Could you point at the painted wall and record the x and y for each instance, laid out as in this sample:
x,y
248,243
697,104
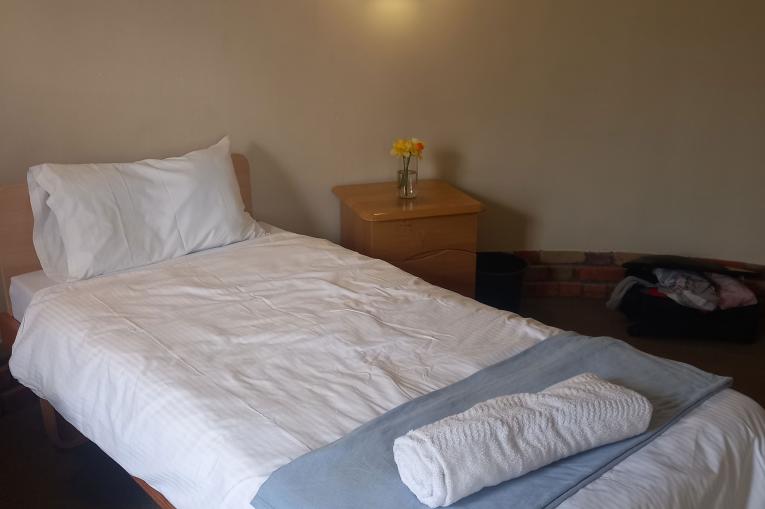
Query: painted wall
x,y
586,125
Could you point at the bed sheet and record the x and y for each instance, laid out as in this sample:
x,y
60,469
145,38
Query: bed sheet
x,y
204,374
22,289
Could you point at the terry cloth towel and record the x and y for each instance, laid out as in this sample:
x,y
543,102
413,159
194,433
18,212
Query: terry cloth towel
x,y
358,470
508,436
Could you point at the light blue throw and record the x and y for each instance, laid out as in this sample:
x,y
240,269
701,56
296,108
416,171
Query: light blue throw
x,y
358,470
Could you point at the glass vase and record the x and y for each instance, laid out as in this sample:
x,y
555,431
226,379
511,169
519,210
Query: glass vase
x,y
407,179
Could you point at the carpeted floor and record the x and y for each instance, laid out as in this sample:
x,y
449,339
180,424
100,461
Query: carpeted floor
x,y
744,362
35,475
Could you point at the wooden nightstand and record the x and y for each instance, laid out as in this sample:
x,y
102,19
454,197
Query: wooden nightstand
x,y
432,236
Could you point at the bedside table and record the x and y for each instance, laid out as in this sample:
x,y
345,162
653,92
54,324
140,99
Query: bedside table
x,y
432,236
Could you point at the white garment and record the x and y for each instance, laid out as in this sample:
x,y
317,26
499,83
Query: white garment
x,y
687,288
506,437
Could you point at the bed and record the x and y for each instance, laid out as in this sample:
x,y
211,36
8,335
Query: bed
x,y
203,374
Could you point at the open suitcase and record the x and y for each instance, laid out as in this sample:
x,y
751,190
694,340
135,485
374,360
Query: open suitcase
x,y
656,315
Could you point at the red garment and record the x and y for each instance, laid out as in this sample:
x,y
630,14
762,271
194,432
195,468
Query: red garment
x,y
655,292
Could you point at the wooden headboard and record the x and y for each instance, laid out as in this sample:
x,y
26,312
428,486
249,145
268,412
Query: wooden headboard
x,y
17,253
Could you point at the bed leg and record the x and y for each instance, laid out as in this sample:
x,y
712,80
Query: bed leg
x,y
61,433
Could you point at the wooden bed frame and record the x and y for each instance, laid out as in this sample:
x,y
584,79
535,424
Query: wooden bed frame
x,y
18,256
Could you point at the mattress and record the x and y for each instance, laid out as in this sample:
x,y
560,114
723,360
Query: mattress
x,y
204,374
23,287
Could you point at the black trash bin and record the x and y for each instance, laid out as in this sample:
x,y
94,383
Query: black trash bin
x,y
499,279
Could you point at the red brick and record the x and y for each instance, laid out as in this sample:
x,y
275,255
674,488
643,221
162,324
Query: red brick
x,y
541,289
537,273
595,290
562,257
599,258
561,272
607,274
531,257
570,289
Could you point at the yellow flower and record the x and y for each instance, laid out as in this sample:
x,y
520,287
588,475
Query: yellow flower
x,y
407,148
401,148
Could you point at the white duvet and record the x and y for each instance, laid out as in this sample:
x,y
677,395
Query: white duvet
x,y
204,374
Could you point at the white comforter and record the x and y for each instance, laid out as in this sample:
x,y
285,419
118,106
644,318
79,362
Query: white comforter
x,y
204,374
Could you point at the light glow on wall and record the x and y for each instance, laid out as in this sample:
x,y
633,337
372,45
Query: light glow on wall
x,y
395,15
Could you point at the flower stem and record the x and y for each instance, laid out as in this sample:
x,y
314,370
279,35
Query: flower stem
x,y
405,175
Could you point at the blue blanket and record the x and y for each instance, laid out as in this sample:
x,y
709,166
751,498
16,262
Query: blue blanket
x,y
358,470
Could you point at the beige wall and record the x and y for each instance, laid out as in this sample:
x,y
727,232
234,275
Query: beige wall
x,y
599,125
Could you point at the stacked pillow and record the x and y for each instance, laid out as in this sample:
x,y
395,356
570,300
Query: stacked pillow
x,y
93,219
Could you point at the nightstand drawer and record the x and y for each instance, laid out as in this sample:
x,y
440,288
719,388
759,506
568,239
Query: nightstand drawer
x,y
397,241
433,236
450,269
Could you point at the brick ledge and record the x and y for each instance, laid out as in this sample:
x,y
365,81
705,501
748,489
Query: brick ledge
x,y
593,275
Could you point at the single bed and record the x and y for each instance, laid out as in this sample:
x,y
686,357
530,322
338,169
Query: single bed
x,y
203,374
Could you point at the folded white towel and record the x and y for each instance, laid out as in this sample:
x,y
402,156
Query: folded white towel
x,y
508,436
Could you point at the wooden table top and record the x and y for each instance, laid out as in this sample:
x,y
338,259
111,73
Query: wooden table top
x,y
380,201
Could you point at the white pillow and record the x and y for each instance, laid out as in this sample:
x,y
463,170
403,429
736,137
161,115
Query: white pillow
x,y
93,219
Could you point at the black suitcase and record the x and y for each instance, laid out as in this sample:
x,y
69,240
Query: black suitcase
x,y
652,315
661,316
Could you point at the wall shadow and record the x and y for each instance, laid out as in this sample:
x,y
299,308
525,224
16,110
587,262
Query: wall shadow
x,y
275,198
446,165
500,227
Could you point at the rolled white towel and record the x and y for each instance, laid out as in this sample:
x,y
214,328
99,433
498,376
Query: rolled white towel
x,y
508,436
